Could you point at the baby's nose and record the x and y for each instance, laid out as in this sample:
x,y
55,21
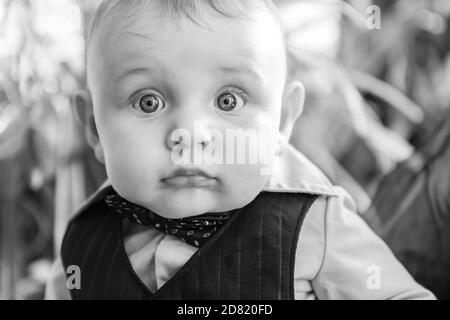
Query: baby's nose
x,y
191,135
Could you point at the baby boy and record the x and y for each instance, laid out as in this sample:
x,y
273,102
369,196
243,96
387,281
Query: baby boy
x,y
205,198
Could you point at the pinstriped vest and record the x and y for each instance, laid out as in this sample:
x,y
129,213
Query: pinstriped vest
x,y
251,257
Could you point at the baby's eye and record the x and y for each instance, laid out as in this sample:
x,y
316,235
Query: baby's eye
x,y
149,103
230,101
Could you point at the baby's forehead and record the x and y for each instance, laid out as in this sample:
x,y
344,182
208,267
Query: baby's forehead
x,y
134,31
114,15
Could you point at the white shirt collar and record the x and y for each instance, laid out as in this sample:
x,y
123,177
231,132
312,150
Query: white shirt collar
x,y
296,174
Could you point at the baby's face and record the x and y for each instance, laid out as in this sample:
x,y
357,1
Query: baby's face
x,y
158,78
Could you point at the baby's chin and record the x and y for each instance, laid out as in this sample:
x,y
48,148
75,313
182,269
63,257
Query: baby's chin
x,y
188,202
183,202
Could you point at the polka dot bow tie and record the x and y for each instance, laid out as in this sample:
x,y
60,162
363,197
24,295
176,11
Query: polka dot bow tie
x,y
193,230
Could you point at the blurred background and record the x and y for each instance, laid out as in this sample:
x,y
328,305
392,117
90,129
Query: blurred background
x,y
376,121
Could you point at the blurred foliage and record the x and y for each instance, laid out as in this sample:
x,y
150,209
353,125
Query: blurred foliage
x,y
45,164
374,97
417,227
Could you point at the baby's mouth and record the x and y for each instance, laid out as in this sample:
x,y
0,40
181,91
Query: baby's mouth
x,y
191,177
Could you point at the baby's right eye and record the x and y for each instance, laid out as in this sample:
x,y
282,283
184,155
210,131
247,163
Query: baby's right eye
x,y
148,103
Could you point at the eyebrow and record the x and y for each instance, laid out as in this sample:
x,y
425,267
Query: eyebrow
x,y
131,72
243,69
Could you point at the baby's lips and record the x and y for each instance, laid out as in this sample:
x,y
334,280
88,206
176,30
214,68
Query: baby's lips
x,y
198,181
190,177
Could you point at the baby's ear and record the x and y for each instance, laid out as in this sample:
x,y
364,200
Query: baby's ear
x,y
293,101
82,106
84,112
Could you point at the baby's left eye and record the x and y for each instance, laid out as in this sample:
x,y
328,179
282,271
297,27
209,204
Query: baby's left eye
x,y
229,101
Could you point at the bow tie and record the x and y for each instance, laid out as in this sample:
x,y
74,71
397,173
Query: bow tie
x,y
192,230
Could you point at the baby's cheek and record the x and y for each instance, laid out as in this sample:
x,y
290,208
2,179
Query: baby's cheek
x,y
247,180
265,146
243,184
132,168
123,166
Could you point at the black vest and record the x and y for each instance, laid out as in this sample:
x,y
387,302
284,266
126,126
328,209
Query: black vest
x,y
251,257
